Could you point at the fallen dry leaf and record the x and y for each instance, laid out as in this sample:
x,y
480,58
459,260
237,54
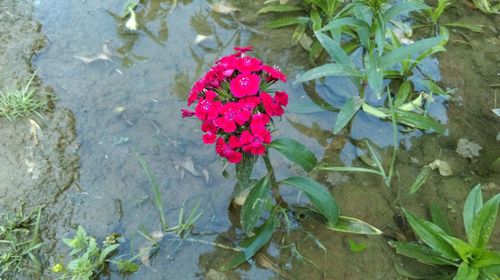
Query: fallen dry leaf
x,y
223,8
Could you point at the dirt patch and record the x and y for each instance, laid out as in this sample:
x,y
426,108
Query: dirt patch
x,y
38,155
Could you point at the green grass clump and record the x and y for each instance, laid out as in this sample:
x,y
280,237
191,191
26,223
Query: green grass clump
x,y
19,244
17,103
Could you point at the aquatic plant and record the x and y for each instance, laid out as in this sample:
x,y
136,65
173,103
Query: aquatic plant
x,y
487,7
362,26
235,104
20,102
467,260
89,259
311,16
431,18
19,245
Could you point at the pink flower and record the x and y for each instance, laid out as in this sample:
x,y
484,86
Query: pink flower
x,y
243,49
274,72
195,90
231,115
187,113
249,103
281,98
248,64
272,107
207,109
226,152
244,85
227,64
260,120
254,142
210,132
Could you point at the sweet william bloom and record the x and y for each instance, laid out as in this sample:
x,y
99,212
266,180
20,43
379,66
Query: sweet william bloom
x,y
240,50
187,113
245,85
248,64
281,98
254,142
207,109
272,107
210,132
231,114
195,90
226,152
274,73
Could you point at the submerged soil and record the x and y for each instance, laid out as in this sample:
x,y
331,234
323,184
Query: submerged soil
x,y
38,155
101,185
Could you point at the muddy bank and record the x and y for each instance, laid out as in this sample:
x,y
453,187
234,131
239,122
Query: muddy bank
x,y
38,155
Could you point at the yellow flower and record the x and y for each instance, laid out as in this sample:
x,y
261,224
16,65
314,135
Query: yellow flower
x,y
58,267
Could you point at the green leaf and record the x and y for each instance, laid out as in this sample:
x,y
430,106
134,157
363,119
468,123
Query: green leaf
x,y
419,121
316,20
331,69
357,247
420,180
352,22
353,225
244,171
488,258
431,235
286,21
403,8
347,112
295,152
466,272
349,169
254,205
473,203
404,90
374,72
463,249
319,196
106,251
404,52
379,33
279,8
335,50
315,51
298,33
472,27
421,253
439,219
253,244
126,266
483,223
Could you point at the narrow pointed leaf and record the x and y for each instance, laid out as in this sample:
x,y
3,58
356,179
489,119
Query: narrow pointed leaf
x,y
439,219
466,272
326,70
352,22
319,196
421,253
404,52
334,50
431,235
419,121
295,152
286,21
483,223
403,7
254,205
353,225
347,112
403,92
473,203
488,258
253,244
279,8
374,73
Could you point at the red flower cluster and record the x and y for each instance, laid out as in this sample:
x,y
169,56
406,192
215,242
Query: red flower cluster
x,y
235,106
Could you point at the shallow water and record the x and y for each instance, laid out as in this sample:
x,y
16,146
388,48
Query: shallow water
x,y
132,104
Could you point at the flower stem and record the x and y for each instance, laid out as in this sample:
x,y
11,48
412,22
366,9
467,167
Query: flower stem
x,y
274,184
